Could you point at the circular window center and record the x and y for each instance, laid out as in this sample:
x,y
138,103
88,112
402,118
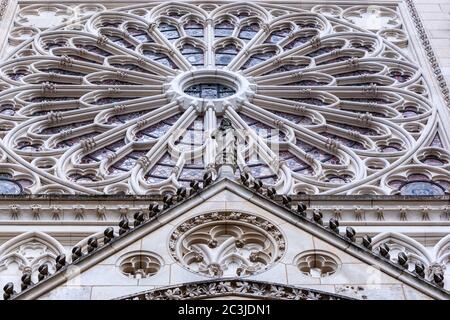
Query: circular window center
x,y
205,88
210,91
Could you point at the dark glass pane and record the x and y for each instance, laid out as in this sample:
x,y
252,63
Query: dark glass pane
x,y
209,91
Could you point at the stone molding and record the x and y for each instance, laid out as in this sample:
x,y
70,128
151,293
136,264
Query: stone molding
x,y
382,210
426,43
233,287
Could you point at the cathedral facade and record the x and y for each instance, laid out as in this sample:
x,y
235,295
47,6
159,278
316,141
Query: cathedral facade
x,y
222,150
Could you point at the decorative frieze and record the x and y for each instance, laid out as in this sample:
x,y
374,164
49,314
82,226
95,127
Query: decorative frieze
x,y
234,287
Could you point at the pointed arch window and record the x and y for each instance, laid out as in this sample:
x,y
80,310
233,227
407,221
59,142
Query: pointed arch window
x,y
194,55
169,31
223,29
194,29
226,54
248,32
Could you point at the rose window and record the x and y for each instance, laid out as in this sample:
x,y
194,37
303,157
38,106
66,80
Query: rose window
x,y
227,244
125,101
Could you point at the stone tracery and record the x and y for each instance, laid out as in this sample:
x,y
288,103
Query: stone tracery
x,y
227,244
139,265
26,252
95,109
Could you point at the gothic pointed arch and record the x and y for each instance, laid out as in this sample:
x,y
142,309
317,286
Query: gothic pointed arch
x,y
28,251
441,250
399,242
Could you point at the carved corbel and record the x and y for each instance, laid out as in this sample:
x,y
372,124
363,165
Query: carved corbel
x,y
446,213
56,212
359,213
425,213
380,213
435,268
101,212
337,213
36,211
79,212
14,210
403,213
123,211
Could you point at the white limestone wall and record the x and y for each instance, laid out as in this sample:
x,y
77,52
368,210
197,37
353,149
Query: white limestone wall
x,y
354,277
435,15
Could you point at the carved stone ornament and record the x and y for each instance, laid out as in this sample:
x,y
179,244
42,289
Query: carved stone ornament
x,y
233,287
226,139
227,244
